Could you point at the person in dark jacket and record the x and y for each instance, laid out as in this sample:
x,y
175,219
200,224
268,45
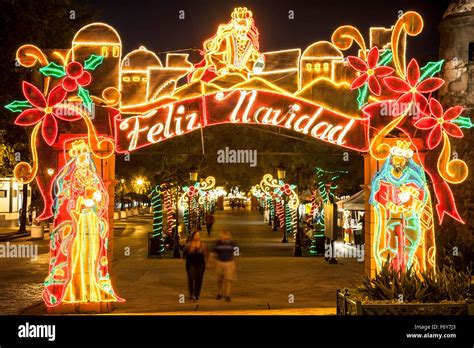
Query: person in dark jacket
x,y
209,219
224,250
196,255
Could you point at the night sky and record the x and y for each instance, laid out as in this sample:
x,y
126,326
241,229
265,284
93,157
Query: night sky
x,y
155,24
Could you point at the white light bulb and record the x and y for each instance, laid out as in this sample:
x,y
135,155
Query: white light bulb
x,y
89,203
97,196
404,197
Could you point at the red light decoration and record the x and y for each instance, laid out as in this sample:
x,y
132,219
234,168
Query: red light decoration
x,y
280,212
169,207
45,111
76,76
78,268
233,85
440,123
370,72
411,89
446,204
258,107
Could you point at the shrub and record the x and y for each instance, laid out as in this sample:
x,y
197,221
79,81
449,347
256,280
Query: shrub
x,y
448,284
455,248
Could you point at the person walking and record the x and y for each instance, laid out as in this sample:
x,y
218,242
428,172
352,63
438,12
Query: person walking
x,y
196,256
224,250
30,214
209,219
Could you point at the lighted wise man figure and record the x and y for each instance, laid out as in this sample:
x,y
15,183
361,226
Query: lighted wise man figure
x,y
233,49
78,268
404,230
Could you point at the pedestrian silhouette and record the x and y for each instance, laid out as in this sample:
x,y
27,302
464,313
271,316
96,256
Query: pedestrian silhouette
x,y
196,255
209,219
224,249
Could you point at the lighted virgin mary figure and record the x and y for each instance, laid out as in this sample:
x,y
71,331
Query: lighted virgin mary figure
x,y
78,268
233,49
404,232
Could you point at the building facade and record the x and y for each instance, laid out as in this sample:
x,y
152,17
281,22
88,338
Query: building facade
x,y
457,50
11,198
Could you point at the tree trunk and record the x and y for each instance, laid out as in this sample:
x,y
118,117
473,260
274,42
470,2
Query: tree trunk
x,y
122,200
24,208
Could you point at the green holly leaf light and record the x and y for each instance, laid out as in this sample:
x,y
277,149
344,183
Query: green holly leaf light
x,y
463,122
18,105
85,97
363,94
385,57
93,62
53,69
430,69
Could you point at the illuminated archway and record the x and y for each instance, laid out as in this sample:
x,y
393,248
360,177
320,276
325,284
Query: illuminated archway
x,y
355,102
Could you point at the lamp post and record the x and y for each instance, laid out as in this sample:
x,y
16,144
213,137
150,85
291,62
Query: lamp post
x,y
281,174
193,175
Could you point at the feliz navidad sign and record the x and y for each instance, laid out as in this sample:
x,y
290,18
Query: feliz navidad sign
x,y
257,107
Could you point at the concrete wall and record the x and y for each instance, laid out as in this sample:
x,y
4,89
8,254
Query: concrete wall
x,y
456,32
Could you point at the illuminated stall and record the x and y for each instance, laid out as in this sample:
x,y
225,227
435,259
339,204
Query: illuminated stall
x,y
351,217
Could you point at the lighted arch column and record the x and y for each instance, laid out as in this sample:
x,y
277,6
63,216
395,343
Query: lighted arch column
x,y
106,170
371,166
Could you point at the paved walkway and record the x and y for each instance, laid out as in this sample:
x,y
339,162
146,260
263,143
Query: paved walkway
x,y
269,277
7,233
270,280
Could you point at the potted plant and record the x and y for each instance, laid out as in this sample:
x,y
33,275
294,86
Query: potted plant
x,y
395,292
37,231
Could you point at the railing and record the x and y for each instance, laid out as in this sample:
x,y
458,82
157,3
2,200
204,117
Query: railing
x,y
347,306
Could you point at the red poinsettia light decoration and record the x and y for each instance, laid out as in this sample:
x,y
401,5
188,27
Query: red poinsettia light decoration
x,y
45,110
440,122
369,70
76,76
412,89
192,191
286,189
